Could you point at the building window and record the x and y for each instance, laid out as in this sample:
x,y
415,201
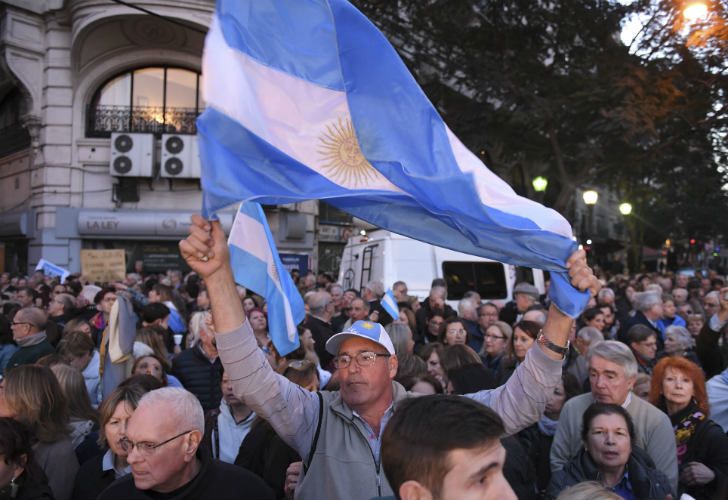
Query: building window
x,y
153,100
13,136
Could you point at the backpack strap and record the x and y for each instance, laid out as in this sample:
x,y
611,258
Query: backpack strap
x,y
307,465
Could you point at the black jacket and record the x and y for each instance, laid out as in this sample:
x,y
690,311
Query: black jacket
x,y
321,331
647,482
91,480
708,446
538,449
199,376
640,319
215,481
29,355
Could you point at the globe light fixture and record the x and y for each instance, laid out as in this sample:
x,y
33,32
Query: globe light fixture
x,y
625,208
590,197
540,184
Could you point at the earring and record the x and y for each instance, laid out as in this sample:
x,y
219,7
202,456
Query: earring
x,y
14,487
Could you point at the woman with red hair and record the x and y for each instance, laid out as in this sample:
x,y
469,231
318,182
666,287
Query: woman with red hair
x,y
678,388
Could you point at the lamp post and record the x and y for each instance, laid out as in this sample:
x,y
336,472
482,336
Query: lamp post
x,y
590,198
625,208
540,184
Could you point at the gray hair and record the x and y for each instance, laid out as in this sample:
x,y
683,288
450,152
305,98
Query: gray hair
x,y
713,295
654,288
605,293
590,334
682,335
616,352
67,300
36,317
182,407
439,290
377,288
400,334
318,301
466,305
541,319
644,301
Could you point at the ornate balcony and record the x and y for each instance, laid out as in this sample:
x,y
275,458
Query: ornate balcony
x,y
103,120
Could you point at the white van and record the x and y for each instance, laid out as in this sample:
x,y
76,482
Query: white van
x,y
388,257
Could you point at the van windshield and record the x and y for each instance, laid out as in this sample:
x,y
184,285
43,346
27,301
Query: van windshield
x,y
486,278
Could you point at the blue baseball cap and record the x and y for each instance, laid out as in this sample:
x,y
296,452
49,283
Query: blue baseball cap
x,y
363,329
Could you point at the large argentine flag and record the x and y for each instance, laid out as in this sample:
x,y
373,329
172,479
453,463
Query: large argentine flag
x,y
257,266
306,99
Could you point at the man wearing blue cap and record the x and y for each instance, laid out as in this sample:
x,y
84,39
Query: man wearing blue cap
x,y
338,433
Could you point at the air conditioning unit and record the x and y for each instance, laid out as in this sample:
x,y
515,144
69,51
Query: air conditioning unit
x,y
132,155
180,157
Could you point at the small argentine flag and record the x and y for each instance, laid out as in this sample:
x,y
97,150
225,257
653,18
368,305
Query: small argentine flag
x,y
389,303
257,266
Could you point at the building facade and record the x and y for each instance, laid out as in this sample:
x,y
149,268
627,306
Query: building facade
x,y
98,102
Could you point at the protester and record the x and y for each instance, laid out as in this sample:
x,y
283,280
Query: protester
x,y
577,364
164,460
402,339
199,368
454,332
29,333
612,373
151,364
707,343
7,345
678,389
79,351
31,395
83,418
96,474
453,453
227,425
366,365
643,342
537,438
587,490
431,354
496,345
679,342
20,476
610,456
524,336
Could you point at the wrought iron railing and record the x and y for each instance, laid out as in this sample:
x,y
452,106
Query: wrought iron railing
x,y
103,120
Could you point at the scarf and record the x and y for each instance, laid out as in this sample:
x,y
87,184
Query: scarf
x,y
684,424
547,426
31,340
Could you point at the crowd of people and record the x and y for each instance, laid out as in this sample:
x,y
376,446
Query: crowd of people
x,y
169,386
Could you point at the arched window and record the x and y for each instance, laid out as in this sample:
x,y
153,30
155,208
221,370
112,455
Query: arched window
x,y
153,99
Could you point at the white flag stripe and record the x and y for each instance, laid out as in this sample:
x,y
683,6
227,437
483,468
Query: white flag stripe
x,y
496,193
289,113
249,235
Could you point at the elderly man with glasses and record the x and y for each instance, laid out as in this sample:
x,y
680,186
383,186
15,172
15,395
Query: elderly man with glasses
x,y
28,328
163,444
338,433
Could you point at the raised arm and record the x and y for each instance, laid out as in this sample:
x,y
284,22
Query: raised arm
x,y
521,401
291,410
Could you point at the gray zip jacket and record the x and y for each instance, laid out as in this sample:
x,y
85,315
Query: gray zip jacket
x,y
343,464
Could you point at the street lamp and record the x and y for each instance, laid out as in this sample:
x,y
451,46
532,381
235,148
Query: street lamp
x,y
695,11
625,208
590,197
540,184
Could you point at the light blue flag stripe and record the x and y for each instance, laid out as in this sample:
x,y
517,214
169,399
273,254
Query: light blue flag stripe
x,y
256,265
433,195
389,303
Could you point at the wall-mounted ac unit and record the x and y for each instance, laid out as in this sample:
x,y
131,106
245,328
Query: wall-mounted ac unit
x,y
132,155
180,157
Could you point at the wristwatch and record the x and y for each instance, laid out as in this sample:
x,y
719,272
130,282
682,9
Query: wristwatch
x,y
541,339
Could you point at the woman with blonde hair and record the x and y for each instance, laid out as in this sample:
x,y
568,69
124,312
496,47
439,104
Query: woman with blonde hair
x,y
197,321
83,418
33,396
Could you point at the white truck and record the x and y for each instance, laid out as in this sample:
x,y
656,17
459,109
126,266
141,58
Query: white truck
x,y
389,257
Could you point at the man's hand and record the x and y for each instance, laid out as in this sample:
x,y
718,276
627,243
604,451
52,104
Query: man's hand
x,y
205,249
581,274
695,473
293,474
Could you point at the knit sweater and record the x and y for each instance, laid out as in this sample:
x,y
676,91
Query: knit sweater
x,y
652,427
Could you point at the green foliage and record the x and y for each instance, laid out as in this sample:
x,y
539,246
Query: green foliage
x,y
539,87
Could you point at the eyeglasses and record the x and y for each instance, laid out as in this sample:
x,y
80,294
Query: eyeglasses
x,y
494,337
363,359
145,448
20,323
